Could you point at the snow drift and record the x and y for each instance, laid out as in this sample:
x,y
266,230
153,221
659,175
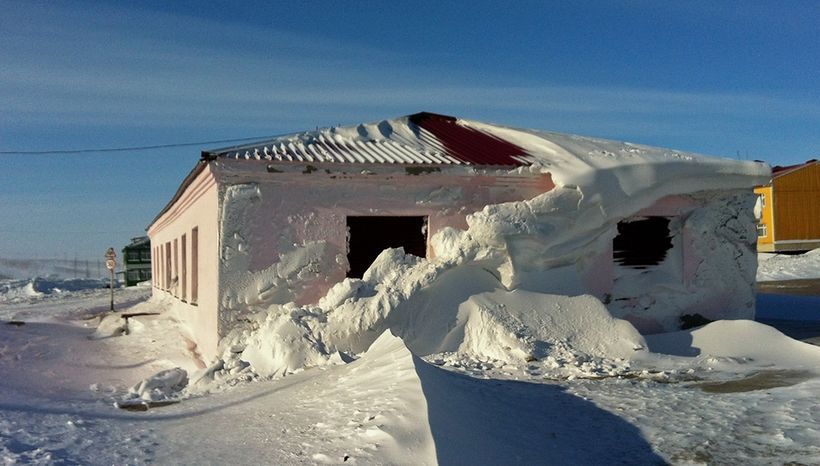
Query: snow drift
x,y
531,326
14,290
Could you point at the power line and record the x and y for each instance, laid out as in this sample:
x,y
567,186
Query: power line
x,y
128,149
67,232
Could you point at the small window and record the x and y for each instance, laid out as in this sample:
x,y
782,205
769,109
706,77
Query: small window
x,y
184,263
157,261
160,273
642,242
153,266
762,200
168,266
194,265
762,231
176,268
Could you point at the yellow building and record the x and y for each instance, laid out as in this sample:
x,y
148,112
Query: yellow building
x,y
789,209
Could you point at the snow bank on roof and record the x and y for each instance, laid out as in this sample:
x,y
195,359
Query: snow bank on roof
x,y
618,176
573,160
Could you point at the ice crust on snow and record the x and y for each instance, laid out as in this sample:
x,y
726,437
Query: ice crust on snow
x,y
463,302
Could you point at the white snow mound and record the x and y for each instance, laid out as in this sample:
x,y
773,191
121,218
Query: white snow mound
x,y
522,325
283,344
740,339
111,325
161,386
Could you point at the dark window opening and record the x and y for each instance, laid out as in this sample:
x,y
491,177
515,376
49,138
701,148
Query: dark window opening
x,y
641,243
369,236
167,266
184,263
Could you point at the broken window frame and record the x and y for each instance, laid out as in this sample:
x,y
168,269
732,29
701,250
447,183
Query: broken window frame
x,y
356,265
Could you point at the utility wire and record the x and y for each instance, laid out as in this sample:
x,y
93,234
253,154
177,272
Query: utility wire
x,y
127,149
68,232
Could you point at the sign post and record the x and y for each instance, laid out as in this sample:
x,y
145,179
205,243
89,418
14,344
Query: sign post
x,y
110,264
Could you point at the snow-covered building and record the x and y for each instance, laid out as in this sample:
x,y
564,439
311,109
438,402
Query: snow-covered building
x,y
136,261
788,209
653,233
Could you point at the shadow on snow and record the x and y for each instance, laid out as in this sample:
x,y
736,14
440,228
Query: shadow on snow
x,y
475,421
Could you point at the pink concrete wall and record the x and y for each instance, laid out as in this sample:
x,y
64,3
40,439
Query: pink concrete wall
x,y
276,234
657,306
197,208
256,224
294,209
598,276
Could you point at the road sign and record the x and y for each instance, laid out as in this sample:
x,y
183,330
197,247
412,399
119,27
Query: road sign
x,y
110,259
110,264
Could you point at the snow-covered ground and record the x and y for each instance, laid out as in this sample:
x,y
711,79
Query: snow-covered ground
x,y
732,392
776,267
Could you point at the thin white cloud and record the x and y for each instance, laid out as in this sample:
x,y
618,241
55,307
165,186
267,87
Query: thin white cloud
x,y
131,67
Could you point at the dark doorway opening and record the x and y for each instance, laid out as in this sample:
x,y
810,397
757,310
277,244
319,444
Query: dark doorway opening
x,y
369,236
642,242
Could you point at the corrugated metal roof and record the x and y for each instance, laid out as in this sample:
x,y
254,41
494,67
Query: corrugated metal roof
x,y
422,138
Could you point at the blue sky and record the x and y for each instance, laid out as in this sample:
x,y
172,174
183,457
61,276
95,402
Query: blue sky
x,y
721,78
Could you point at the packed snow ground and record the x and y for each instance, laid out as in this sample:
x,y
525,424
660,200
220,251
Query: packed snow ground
x,y
704,396
776,267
